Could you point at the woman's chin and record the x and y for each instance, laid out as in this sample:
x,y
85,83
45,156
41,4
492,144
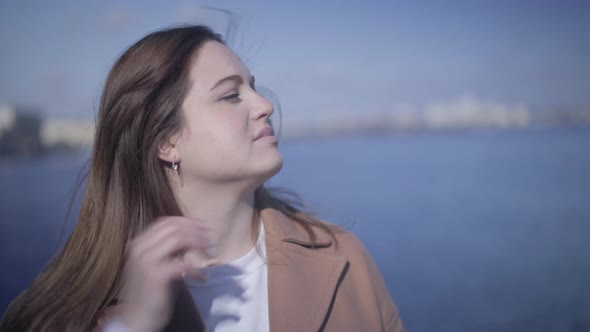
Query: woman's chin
x,y
269,170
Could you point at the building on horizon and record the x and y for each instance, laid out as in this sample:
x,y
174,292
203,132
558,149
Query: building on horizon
x,y
23,132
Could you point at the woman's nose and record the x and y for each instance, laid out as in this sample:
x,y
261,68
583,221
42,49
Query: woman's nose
x,y
262,108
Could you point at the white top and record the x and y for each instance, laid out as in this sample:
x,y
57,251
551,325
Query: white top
x,y
234,297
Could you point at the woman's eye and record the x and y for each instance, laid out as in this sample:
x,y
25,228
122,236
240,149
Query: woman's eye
x,y
233,98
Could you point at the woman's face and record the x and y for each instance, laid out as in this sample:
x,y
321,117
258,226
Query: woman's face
x,y
224,117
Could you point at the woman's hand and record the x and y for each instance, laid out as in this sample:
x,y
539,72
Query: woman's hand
x,y
153,262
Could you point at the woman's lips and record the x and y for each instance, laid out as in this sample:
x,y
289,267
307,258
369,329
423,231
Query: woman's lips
x,y
271,139
266,135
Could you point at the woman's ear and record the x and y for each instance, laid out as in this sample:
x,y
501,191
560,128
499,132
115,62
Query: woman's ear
x,y
168,150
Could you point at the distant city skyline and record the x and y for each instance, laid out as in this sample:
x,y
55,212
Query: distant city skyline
x,y
322,59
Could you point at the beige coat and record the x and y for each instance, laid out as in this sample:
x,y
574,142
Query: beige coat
x,y
327,288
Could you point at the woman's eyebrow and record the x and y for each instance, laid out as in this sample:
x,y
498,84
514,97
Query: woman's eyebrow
x,y
236,78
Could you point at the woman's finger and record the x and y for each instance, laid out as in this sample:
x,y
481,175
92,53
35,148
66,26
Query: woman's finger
x,y
177,242
152,237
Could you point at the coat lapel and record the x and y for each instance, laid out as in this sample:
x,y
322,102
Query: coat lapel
x,y
301,280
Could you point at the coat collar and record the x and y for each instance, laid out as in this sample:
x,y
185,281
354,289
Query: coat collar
x,y
277,225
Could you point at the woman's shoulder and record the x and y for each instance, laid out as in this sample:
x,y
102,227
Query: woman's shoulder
x,y
324,242
346,243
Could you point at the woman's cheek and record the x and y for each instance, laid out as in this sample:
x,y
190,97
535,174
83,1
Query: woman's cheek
x,y
235,127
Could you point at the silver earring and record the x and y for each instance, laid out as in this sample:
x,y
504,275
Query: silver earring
x,y
175,167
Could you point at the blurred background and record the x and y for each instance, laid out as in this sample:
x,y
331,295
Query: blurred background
x,y
452,137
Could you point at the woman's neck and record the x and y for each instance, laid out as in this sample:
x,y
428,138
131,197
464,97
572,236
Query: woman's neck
x,y
230,211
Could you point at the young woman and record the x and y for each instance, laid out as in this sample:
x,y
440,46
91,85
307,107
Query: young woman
x,y
177,231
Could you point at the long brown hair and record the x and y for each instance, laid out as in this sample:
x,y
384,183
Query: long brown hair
x,y
126,184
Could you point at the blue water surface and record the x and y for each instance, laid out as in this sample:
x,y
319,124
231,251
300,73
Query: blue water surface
x,y
472,231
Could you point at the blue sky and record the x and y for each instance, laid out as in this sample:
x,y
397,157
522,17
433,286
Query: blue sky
x,y
322,58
